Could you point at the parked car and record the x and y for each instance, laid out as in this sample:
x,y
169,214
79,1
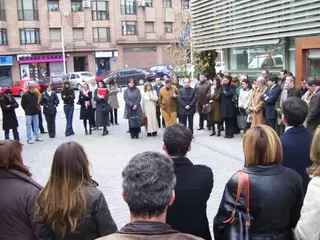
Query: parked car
x,y
150,76
17,87
55,82
103,75
122,75
163,71
77,79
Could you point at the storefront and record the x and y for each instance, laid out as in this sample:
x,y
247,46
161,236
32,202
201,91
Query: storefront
x,y
38,67
103,61
6,70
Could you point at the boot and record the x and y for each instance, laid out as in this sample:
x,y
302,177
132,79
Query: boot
x,y
219,130
90,131
104,131
85,128
213,131
116,117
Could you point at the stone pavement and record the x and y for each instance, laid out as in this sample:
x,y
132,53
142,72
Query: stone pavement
x,y
108,156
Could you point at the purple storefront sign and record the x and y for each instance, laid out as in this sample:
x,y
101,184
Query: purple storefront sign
x,y
42,60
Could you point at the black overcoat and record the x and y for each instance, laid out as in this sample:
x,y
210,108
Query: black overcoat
x,y
8,107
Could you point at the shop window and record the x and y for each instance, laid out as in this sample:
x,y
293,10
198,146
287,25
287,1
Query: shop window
x,y
3,36
29,36
53,6
149,27
78,34
2,11
148,3
28,10
101,35
167,3
55,34
256,58
168,27
128,7
185,4
5,75
76,6
100,10
129,28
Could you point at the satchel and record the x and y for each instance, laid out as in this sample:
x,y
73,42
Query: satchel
x,y
144,121
134,122
206,109
238,227
106,108
242,119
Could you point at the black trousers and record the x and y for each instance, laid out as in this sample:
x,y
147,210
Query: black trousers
x,y
15,134
202,117
272,123
114,116
51,124
93,120
230,126
40,123
159,117
187,118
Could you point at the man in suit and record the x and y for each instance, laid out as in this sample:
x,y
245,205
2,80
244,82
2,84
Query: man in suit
x,y
187,104
296,140
270,98
313,119
202,88
188,213
157,87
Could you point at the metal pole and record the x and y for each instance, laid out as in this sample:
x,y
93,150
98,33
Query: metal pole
x,y
191,43
65,15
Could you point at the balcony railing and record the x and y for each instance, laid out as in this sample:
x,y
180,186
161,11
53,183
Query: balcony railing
x,y
28,15
129,9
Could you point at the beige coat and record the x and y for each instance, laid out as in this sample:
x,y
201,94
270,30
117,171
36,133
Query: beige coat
x,y
258,104
113,98
149,100
167,102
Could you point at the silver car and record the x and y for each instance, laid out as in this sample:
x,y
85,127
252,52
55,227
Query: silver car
x,y
77,79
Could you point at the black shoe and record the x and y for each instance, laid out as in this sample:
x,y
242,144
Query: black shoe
x,y
154,134
149,135
213,133
117,123
199,129
128,131
44,132
231,136
226,136
137,136
86,132
219,134
90,132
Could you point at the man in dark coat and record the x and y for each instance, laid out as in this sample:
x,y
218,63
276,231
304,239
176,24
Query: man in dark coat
x,y
270,98
313,119
157,87
296,140
202,88
188,213
187,104
8,106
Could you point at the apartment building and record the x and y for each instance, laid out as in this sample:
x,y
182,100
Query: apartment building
x,y
259,34
98,35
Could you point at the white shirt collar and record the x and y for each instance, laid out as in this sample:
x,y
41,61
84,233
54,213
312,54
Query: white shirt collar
x,y
289,127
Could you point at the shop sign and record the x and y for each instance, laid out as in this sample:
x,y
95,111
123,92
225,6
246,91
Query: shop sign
x,y
6,60
103,54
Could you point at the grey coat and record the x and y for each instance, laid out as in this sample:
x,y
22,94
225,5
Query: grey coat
x,y
102,119
113,99
132,96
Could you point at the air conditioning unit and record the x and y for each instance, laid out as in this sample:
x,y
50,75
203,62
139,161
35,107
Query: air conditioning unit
x,y
86,4
141,3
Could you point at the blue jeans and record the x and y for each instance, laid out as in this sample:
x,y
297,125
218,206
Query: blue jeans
x,y
35,120
68,110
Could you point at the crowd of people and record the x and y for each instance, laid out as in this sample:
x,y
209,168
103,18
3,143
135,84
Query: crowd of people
x,y
167,194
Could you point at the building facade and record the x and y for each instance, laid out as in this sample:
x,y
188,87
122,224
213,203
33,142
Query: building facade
x,y
256,35
98,35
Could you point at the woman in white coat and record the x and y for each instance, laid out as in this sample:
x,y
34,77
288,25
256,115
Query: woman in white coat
x,y
149,100
308,225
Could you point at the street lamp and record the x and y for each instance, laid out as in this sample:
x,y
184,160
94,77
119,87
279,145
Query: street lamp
x,y
64,17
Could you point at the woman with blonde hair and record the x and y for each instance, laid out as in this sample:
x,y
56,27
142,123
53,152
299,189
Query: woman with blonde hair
x,y
70,206
149,101
308,225
17,195
275,191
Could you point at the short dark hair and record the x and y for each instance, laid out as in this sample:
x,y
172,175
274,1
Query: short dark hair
x,y
167,81
220,74
313,81
132,80
295,110
8,91
177,139
284,71
274,78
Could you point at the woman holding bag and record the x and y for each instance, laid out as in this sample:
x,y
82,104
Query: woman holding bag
x,y
101,96
86,109
275,192
243,105
149,100
113,100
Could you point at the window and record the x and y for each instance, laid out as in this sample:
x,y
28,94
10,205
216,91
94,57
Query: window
x,y
185,4
167,4
53,6
55,34
149,27
29,36
148,3
28,10
101,35
3,36
2,11
168,27
100,10
129,28
78,34
76,6
128,7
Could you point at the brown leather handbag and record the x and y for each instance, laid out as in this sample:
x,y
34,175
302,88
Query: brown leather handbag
x,y
206,109
239,223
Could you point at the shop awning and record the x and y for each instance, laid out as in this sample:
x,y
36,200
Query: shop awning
x,y
41,59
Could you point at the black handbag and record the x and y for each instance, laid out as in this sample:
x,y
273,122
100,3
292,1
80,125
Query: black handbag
x,y
238,227
106,108
134,122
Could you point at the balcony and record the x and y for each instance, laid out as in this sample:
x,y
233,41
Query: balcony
x,y
129,9
150,14
28,15
54,19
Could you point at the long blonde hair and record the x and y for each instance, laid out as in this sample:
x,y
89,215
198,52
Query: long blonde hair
x,y
63,199
314,170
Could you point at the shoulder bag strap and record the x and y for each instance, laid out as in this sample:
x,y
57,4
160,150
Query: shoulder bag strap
x,y
247,196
